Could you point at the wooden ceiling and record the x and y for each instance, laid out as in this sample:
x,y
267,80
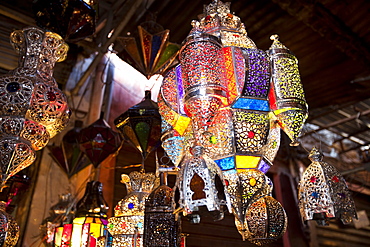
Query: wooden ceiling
x,y
331,38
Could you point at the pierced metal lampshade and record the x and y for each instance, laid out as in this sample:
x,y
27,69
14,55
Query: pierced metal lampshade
x,y
265,221
9,229
141,125
32,109
244,188
161,224
323,193
201,186
98,141
127,225
287,97
204,86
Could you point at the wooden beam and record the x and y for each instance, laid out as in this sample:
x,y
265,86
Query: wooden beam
x,y
329,26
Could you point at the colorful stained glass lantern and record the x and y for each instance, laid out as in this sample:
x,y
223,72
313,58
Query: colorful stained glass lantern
x,y
201,186
33,109
91,218
323,193
150,53
61,213
235,100
127,225
205,89
74,20
98,141
140,125
69,155
161,224
287,97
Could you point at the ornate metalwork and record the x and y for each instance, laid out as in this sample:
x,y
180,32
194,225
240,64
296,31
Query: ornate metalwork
x,y
201,184
161,224
323,193
9,229
127,225
32,108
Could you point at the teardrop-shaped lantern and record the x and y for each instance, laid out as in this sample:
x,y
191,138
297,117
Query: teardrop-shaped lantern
x,y
141,125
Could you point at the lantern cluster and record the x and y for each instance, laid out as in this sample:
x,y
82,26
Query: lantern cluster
x,y
222,111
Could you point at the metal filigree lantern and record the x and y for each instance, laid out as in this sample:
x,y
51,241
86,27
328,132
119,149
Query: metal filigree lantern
x,y
201,186
287,97
204,86
127,225
33,108
161,224
9,229
265,221
323,193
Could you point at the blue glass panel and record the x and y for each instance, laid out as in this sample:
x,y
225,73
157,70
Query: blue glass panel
x,y
251,104
226,163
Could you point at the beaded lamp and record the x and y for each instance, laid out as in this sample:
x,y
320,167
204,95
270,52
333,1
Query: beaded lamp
x,y
323,193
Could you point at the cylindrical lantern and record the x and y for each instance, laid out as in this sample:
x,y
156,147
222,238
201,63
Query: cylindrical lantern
x,y
161,225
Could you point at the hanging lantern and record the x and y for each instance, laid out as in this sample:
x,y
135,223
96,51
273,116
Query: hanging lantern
x,y
244,188
98,141
33,109
161,224
323,193
265,221
127,225
287,97
61,213
9,229
233,96
201,186
150,53
204,86
74,20
91,218
69,155
141,125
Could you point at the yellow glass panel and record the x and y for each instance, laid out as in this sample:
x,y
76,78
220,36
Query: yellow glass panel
x,y
76,234
58,236
181,124
95,230
247,162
